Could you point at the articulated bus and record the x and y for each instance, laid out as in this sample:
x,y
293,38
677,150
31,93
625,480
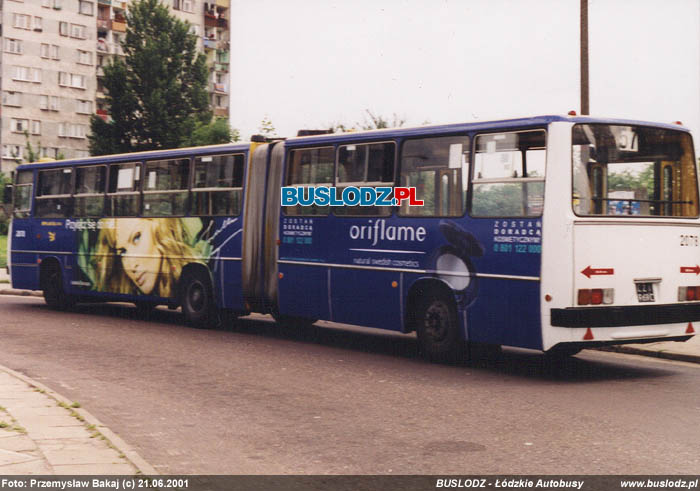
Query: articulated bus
x,y
552,233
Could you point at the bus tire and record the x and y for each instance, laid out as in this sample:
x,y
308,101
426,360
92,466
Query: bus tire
x,y
55,295
197,300
438,331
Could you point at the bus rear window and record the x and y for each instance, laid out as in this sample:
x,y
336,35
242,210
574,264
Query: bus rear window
x,y
633,171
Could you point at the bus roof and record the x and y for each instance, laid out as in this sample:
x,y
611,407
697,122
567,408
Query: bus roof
x,y
368,135
471,127
150,154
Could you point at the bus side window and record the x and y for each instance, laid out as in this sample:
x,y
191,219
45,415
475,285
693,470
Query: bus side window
x,y
438,169
309,167
53,193
90,186
123,197
22,193
509,172
368,165
165,188
217,185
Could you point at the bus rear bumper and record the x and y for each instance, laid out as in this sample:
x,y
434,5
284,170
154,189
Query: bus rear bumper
x,y
634,315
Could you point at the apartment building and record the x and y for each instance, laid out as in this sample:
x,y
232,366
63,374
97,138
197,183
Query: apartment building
x,y
51,64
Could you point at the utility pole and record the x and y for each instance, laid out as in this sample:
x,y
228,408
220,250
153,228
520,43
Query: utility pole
x,y
584,57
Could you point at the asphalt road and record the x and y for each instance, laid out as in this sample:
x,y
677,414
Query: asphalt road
x,y
262,399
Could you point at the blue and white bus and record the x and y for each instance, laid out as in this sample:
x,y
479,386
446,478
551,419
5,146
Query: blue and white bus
x,y
553,233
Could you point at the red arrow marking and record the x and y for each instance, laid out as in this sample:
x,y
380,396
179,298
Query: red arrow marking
x,y
597,271
692,269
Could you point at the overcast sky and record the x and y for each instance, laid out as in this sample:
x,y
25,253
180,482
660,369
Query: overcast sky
x,y
310,63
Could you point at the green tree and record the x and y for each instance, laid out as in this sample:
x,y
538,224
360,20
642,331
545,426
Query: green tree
x,y
371,121
32,154
267,128
158,94
217,131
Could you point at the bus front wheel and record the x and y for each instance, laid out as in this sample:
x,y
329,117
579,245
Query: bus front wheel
x,y
55,295
198,300
438,330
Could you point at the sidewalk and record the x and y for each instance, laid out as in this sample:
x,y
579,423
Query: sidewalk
x,y
42,433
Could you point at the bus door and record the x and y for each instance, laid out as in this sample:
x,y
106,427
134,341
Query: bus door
x,y
305,237
507,200
365,282
23,265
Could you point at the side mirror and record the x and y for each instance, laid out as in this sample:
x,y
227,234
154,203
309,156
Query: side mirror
x,y
7,194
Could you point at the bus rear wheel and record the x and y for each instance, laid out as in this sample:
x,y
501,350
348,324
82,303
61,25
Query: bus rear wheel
x,y
55,295
438,332
197,300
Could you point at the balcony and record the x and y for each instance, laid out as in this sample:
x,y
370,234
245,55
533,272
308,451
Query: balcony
x,y
100,71
222,22
221,112
104,24
104,2
221,67
222,56
103,46
102,113
220,88
119,26
210,20
223,3
209,43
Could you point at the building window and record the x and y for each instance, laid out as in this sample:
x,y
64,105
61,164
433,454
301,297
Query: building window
x,y
70,130
12,152
63,28
74,80
49,51
36,127
27,74
85,7
84,57
38,23
49,152
188,5
84,107
12,98
19,125
48,103
22,21
78,31
13,46
176,4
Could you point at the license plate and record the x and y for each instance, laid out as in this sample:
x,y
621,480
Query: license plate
x,y
645,292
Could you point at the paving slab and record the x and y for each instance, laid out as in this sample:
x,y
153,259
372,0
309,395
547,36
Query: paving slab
x,y
43,435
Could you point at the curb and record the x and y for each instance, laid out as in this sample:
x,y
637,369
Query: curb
x,y
132,456
21,293
666,355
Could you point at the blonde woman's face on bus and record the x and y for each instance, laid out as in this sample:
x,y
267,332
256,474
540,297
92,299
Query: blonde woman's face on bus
x,y
141,260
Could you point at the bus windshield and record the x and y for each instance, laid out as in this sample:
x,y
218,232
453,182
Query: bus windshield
x,y
633,170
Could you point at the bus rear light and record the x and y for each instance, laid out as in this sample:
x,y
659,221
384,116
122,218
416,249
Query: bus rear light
x,y
688,293
584,297
596,296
